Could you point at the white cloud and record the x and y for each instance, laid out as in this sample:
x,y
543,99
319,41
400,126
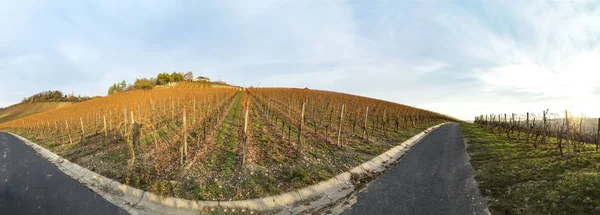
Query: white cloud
x,y
430,66
537,54
520,77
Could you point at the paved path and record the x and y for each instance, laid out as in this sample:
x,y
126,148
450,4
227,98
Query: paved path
x,y
435,177
29,184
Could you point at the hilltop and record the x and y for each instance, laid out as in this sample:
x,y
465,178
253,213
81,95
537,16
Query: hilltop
x,y
166,80
40,102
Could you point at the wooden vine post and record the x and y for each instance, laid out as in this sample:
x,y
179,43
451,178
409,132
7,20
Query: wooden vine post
x,y
567,132
69,132
125,121
300,131
505,126
183,149
340,127
313,117
245,143
398,121
290,111
383,121
513,126
134,143
365,132
82,130
327,125
194,121
598,135
105,130
153,124
528,127
545,124
416,120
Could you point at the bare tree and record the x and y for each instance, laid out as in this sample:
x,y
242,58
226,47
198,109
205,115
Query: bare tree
x,y
189,76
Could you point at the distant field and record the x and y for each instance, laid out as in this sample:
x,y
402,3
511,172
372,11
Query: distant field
x,y
23,110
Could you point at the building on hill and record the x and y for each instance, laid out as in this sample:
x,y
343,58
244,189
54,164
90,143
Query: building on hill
x,y
200,78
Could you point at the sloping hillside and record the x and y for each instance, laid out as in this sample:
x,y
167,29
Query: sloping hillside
x,y
224,143
26,109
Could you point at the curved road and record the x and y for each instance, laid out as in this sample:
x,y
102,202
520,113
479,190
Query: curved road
x,y
435,177
29,184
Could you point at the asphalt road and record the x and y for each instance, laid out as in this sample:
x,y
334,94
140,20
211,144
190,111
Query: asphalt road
x,y
29,184
435,177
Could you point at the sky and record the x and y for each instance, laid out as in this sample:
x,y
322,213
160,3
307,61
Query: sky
x,y
461,58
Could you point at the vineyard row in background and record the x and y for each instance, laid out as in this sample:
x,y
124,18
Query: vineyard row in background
x,y
538,128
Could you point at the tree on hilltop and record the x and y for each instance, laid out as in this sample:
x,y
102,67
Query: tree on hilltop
x,y
163,78
177,76
143,84
117,87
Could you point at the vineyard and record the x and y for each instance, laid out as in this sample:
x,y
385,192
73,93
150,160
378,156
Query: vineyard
x,y
536,163
224,143
570,134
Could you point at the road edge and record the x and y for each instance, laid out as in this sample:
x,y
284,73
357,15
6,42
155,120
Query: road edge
x,y
484,199
136,201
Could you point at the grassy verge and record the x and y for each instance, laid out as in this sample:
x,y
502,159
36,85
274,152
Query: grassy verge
x,y
517,178
227,139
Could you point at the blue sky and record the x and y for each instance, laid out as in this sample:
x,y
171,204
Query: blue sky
x,y
462,58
